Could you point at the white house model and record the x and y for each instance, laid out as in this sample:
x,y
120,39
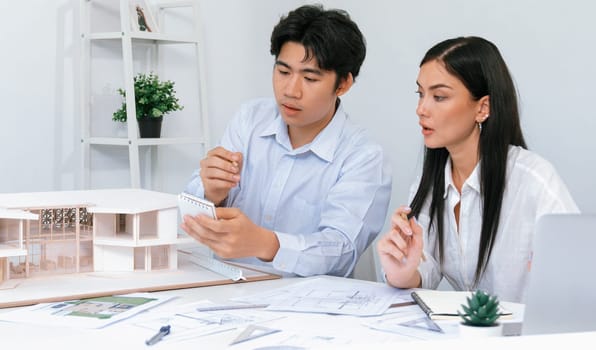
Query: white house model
x,y
82,231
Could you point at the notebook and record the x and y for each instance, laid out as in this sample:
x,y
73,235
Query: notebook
x,y
444,304
191,205
561,292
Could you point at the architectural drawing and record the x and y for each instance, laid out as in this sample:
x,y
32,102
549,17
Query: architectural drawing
x,y
320,295
47,233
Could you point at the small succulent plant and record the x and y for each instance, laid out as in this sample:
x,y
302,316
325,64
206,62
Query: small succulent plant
x,y
481,310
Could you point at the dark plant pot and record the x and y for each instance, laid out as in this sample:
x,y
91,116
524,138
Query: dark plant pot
x,y
150,127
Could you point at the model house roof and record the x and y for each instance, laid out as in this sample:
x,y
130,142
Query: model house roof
x,y
125,201
17,214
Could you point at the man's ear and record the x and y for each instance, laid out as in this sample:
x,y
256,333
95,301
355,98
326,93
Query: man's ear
x,y
344,85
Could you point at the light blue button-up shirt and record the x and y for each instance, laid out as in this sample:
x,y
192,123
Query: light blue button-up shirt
x,y
326,201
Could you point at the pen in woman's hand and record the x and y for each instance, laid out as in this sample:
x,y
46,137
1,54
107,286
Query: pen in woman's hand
x,y
405,217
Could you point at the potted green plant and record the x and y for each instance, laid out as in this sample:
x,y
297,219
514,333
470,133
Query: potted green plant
x,y
153,99
480,316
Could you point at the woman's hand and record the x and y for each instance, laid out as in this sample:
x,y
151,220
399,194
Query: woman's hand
x,y
400,250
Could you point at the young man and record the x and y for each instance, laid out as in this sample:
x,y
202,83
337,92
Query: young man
x,y
300,190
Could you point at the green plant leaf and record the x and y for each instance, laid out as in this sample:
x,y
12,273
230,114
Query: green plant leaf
x,y
492,308
482,311
153,98
473,302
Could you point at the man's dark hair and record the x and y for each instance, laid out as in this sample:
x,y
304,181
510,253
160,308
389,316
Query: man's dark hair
x,y
329,35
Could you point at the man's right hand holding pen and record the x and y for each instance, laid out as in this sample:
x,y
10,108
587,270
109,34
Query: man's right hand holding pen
x,y
232,234
220,172
401,250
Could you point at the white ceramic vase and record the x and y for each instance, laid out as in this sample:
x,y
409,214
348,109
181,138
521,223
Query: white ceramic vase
x,y
467,331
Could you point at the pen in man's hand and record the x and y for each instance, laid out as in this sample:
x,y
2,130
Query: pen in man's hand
x,y
163,331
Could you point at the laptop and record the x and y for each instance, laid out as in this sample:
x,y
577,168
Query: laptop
x,y
561,291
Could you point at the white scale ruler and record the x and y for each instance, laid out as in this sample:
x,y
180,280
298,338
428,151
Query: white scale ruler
x,y
232,272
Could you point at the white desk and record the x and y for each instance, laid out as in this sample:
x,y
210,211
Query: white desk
x,y
124,335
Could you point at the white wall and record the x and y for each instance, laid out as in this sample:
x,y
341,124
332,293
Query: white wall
x,y
549,47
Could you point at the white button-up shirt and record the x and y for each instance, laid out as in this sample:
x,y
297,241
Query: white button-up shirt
x,y
533,189
326,201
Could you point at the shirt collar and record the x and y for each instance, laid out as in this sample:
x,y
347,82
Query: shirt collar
x,y
325,143
473,181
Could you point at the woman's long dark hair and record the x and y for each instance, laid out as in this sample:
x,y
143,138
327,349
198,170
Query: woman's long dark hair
x,y
478,64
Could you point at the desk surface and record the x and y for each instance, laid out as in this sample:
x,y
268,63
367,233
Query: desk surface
x,y
126,335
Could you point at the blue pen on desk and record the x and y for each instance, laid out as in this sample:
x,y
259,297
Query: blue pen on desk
x,y
163,331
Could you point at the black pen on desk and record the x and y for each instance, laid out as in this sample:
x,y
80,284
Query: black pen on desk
x,y
403,303
163,331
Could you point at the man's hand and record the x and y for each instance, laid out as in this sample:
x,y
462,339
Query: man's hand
x,y
232,235
220,171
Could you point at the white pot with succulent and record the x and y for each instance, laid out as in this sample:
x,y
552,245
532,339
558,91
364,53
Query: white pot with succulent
x,y
480,316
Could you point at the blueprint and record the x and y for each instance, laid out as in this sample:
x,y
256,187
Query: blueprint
x,y
320,295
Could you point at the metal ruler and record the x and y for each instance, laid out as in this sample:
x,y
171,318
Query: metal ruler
x,y
232,272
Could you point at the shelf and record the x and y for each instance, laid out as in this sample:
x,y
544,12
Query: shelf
x,y
115,141
157,38
171,141
140,52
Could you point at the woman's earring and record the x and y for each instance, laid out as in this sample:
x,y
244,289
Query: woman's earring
x,y
482,121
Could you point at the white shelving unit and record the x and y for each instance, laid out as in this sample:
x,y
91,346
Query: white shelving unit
x,y
140,52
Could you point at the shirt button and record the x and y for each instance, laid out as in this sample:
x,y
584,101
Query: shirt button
x,y
267,217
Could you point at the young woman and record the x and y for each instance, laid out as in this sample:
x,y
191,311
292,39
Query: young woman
x,y
474,210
